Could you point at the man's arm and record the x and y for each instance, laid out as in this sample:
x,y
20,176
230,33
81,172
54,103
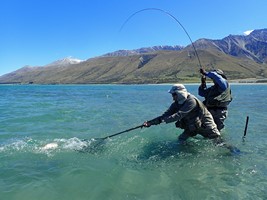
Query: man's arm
x,y
223,84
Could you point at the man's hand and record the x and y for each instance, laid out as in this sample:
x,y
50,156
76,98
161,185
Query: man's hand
x,y
202,71
155,121
146,124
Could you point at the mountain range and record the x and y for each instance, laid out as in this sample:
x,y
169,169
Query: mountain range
x,y
239,56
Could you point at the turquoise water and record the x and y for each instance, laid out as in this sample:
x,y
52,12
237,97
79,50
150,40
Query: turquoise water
x,y
43,154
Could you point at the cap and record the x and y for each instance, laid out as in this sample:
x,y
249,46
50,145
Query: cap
x,y
181,92
177,87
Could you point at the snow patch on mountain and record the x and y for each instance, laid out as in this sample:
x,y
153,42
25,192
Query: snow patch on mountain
x,y
248,32
65,62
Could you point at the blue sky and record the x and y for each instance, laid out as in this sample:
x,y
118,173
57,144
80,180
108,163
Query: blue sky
x,y
38,32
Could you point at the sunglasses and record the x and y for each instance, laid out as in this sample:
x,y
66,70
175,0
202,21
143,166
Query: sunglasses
x,y
174,94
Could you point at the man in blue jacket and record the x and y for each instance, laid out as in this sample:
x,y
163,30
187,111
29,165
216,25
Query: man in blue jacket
x,y
217,97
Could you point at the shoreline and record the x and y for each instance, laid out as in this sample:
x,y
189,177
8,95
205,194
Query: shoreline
x,y
233,81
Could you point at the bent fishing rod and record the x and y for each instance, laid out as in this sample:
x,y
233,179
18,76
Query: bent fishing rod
x,y
170,15
180,24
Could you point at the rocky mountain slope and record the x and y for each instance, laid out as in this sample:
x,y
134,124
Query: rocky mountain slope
x,y
239,56
252,46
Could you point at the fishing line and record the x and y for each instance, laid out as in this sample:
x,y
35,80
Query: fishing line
x,y
170,15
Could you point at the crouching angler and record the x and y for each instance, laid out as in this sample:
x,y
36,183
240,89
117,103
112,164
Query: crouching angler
x,y
189,113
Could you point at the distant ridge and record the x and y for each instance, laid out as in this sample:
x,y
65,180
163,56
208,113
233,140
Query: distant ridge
x,y
144,50
239,56
252,46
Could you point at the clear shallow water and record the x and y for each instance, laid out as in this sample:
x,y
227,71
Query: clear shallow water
x,y
42,132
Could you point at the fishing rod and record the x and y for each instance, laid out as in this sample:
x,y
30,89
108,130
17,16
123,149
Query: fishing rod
x,y
170,15
96,143
109,136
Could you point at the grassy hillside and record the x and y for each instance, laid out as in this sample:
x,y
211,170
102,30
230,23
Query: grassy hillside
x,y
156,67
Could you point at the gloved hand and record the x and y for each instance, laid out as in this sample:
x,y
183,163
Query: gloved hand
x,y
203,71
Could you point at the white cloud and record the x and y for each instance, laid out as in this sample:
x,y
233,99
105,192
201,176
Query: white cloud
x,y
248,32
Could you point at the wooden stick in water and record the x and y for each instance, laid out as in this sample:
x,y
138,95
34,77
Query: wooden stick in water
x,y
246,127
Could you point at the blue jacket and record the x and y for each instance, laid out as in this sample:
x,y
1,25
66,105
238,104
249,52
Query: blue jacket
x,y
218,95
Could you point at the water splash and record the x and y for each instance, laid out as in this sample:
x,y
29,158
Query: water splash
x,y
49,147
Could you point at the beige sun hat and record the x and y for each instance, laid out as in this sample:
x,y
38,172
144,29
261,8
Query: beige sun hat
x,y
181,92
